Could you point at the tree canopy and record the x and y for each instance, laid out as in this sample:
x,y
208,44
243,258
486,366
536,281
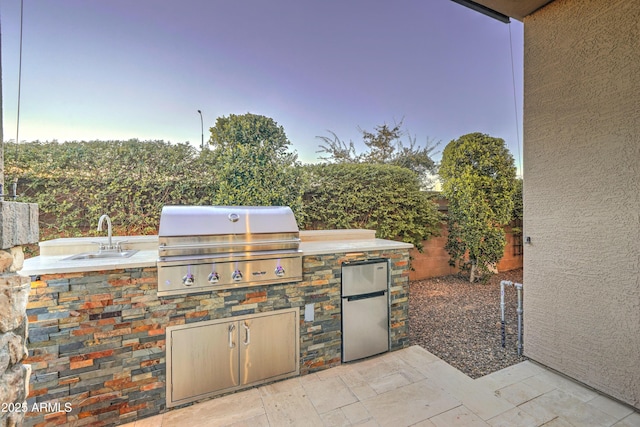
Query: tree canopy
x,y
253,164
384,146
478,175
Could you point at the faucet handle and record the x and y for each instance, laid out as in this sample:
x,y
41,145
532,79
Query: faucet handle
x,y
101,246
117,245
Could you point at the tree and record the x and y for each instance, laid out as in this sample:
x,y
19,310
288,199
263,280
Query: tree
x,y
478,176
384,147
518,205
253,164
518,209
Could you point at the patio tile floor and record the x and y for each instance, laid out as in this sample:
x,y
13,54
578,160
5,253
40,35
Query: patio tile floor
x,y
409,387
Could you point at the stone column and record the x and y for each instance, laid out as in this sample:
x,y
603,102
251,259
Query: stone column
x,y
18,226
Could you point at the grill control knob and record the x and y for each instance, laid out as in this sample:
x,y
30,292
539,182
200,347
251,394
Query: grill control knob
x,y
214,277
236,276
279,271
188,280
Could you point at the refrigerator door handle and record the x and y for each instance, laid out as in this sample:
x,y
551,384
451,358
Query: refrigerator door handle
x,y
365,296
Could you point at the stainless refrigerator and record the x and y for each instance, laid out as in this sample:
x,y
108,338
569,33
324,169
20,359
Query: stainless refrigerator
x,y
365,308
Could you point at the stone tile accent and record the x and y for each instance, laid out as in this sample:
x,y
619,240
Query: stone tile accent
x,y
18,259
14,291
6,260
97,340
18,224
14,376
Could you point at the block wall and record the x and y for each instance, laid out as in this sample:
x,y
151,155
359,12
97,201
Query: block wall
x,y
433,261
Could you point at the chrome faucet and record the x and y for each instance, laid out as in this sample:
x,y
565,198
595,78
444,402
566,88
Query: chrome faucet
x,y
109,232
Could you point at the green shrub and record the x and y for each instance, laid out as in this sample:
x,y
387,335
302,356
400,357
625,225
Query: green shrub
x,y
382,197
76,182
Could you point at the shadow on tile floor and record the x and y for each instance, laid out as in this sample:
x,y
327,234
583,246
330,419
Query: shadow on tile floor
x,y
409,387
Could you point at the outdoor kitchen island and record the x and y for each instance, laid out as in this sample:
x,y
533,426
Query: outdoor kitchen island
x,y
97,328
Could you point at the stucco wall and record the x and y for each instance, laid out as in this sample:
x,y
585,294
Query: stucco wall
x,y
582,192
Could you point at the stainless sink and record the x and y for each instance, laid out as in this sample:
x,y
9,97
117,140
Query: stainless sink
x,y
101,255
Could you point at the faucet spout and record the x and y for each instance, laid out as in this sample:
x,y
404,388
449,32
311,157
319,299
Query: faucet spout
x,y
109,231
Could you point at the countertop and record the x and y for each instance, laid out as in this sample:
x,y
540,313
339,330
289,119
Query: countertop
x,y
58,264
346,246
316,242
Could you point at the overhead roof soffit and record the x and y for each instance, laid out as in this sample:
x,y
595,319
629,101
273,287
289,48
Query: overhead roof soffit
x,y
517,9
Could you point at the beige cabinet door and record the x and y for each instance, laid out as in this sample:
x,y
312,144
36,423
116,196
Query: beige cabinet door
x,y
204,359
267,347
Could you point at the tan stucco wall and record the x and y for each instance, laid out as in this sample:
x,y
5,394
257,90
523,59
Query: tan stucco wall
x,y
582,192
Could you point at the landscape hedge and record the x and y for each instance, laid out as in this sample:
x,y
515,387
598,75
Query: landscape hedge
x,y
381,197
76,182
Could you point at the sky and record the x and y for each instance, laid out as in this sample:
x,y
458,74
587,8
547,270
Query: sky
x,y
121,69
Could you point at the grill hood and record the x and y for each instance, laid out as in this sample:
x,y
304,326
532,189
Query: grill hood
x,y
225,220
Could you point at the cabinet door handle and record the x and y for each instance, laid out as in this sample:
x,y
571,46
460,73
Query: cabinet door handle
x,y
247,331
231,328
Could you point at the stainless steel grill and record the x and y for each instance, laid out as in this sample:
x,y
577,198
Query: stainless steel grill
x,y
202,248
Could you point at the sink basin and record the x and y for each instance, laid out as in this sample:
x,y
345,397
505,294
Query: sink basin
x,y
101,255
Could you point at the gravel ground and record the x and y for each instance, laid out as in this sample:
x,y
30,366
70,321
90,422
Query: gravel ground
x,y
460,322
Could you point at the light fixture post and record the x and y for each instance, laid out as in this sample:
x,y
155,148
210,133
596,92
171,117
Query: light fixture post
x,y
201,131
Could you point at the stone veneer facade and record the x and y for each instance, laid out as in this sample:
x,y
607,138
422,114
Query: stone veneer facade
x,y
97,340
14,375
18,226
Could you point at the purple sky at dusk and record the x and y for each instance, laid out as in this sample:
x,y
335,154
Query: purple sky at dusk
x,y
120,69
